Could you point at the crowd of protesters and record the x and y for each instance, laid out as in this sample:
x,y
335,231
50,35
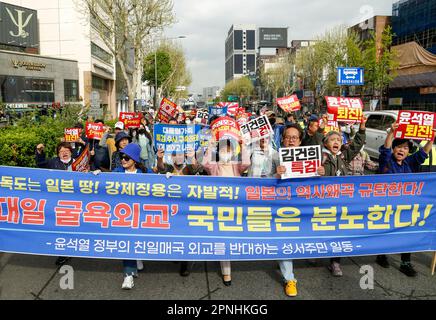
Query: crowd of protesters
x,y
132,151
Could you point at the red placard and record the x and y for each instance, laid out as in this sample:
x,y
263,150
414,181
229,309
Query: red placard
x,y
341,109
81,164
72,134
225,127
167,110
130,119
289,104
94,130
416,125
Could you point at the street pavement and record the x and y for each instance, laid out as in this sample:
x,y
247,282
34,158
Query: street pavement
x,y
33,277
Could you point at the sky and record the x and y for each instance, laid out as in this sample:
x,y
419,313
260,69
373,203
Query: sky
x,y
205,23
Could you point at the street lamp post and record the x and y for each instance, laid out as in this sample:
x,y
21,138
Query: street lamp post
x,y
155,66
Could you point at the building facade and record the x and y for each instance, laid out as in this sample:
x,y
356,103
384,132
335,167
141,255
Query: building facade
x,y
240,51
414,28
28,80
66,33
415,20
210,93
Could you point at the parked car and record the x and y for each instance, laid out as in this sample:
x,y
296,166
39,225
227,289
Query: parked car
x,y
376,129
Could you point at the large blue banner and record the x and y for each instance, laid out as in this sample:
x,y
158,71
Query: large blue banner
x,y
154,217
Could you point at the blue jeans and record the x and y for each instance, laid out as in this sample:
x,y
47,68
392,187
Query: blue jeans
x,y
130,268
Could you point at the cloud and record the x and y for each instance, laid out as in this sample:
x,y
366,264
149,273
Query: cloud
x,y
207,22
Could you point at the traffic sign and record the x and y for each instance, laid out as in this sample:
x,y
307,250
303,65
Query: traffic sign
x,y
232,98
350,76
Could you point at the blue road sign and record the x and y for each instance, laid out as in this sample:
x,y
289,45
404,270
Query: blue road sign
x,y
350,76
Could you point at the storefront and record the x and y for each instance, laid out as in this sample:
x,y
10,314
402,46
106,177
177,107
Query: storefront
x,y
29,81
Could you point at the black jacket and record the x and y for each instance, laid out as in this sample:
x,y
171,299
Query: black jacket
x,y
338,165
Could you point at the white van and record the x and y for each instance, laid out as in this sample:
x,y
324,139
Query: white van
x,y
376,129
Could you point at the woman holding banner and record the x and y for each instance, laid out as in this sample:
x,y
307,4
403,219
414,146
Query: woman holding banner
x,y
131,164
226,165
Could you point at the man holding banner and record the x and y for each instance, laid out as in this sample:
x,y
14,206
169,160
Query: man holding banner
x,y
292,138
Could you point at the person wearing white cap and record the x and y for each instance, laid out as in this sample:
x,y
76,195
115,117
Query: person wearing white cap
x,y
119,126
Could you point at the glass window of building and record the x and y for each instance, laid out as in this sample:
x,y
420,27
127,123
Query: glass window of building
x,y
238,39
16,89
71,90
99,83
238,64
251,40
100,53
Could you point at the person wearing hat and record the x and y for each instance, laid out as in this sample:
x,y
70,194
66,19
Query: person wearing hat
x,y
122,139
130,157
394,158
336,162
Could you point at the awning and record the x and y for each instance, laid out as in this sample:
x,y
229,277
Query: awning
x,y
414,80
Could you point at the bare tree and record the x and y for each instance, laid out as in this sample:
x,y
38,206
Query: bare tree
x,y
277,79
125,26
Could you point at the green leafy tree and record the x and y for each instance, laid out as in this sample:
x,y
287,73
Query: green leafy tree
x,y
18,141
172,71
241,87
163,66
381,63
317,65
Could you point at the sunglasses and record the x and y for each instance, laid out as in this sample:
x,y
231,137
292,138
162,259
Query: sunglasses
x,y
125,157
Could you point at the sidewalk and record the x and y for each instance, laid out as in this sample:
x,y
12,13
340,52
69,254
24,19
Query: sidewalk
x,y
37,277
